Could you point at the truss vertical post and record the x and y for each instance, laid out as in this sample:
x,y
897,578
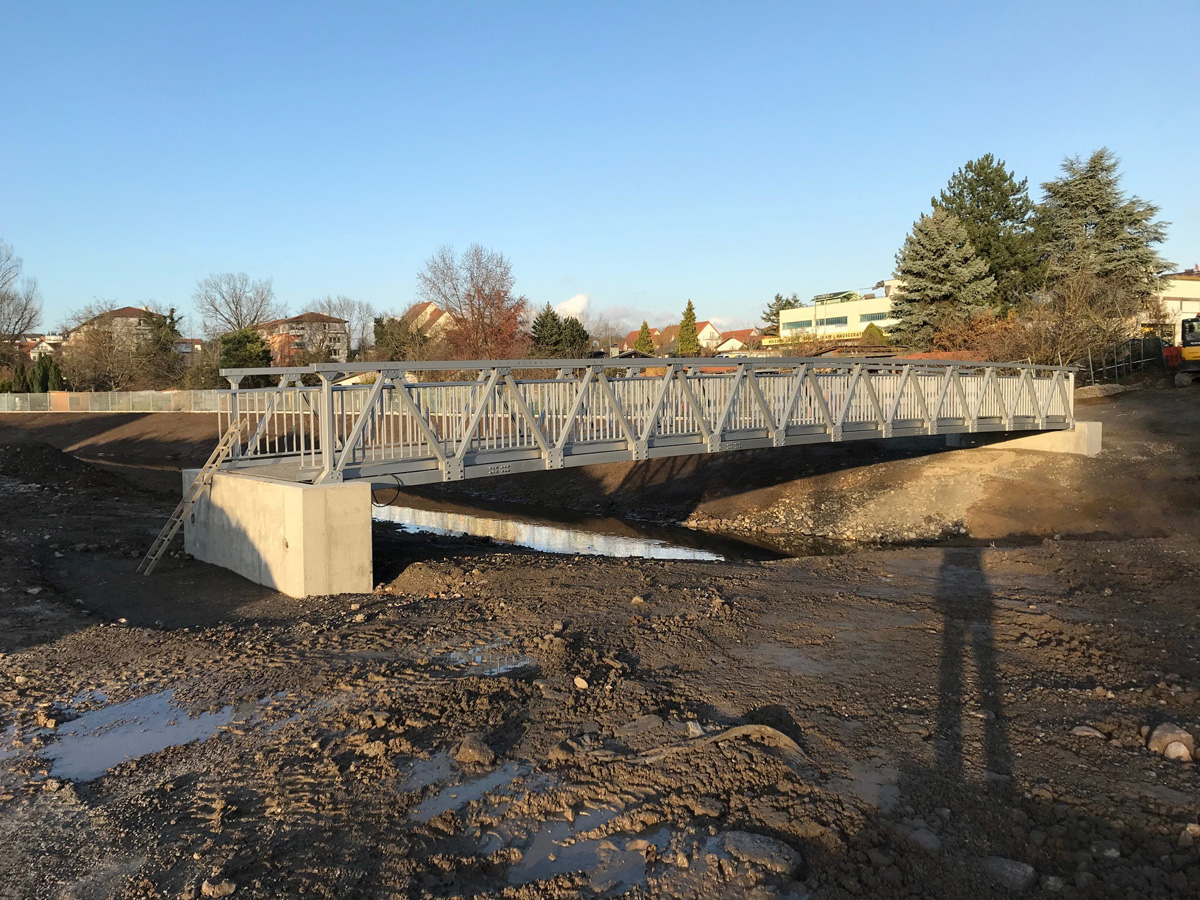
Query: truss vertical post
x,y
328,438
234,413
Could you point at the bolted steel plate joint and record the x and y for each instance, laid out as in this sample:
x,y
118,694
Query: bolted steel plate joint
x,y
641,450
554,458
453,470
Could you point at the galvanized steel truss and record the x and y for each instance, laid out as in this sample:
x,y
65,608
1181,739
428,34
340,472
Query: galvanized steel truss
x,y
481,420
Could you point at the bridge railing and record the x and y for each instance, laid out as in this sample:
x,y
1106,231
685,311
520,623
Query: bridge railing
x,y
443,421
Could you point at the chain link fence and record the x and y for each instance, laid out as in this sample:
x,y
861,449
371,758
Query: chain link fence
x,y
117,401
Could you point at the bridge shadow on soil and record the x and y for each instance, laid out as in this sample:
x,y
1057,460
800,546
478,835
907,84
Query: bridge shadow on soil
x,y
674,487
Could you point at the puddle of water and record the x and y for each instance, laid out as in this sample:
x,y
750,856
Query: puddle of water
x,y
87,747
456,796
7,741
488,661
425,772
536,536
610,865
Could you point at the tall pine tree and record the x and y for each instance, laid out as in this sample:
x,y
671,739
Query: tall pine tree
x,y
20,382
574,342
1089,228
770,315
941,277
547,332
645,341
687,343
995,209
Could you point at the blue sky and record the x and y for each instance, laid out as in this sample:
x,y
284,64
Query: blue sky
x,y
639,154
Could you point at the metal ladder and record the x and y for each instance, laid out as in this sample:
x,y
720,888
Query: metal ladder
x,y
202,480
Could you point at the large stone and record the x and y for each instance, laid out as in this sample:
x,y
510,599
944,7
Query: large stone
x,y
1009,873
474,752
1169,733
1177,750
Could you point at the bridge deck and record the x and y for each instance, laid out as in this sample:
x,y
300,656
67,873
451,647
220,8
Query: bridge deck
x,y
447,420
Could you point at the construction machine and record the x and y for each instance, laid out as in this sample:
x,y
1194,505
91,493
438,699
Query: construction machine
x,y
1189,353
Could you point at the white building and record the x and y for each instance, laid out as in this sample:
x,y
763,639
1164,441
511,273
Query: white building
x,y
841,315
1180,298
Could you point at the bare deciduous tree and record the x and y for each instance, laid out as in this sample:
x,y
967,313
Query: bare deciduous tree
x,y
230,301
359,315
606,332
106,353
20,301
476,289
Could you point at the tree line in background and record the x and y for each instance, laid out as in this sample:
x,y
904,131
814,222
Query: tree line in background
x,y
989,271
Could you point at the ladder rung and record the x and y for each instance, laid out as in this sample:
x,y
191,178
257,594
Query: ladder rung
x,y
203,479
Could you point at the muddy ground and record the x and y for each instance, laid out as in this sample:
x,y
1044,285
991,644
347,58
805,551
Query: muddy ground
x,y
967,716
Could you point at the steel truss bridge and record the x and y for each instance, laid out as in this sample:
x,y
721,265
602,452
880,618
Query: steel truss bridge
x,y
421,422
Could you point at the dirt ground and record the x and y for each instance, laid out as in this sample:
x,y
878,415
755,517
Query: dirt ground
x,y
958,706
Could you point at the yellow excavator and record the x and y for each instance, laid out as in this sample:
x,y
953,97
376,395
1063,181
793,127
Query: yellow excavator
x,y
1189,353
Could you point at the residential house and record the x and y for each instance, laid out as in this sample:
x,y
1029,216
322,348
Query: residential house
x,y
429,319
128,326
707,333
840,315
35,346
740,339
189,348
1180,298
631,339
305,338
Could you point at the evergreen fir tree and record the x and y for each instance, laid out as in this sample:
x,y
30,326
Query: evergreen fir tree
x,y
39,380
55,381
547,332
645,341
246,349
687,343
1089,228
20,382
573,340
997,214
770,315
941,276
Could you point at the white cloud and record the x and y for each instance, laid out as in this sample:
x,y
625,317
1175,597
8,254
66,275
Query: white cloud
x,y
577,306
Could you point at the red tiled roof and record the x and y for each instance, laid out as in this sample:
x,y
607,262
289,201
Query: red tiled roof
x,y
631,338
741,334
303,317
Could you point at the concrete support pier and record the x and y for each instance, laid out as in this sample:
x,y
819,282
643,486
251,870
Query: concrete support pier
x,y
1084,439
299,539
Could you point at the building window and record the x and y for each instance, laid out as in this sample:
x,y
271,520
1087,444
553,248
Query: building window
x,y
801,323
833,320
872,317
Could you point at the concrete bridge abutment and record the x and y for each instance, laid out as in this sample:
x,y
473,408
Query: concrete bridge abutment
x,y
1084,440
299,539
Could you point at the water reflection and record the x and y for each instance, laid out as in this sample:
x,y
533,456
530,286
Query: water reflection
x,y
549,538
